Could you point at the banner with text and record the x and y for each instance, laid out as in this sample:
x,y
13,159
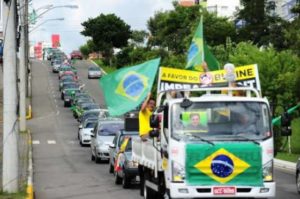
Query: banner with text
x,y
178,79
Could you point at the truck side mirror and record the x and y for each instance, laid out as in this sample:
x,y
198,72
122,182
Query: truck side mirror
x,y
154,121
286,129
154,133
285,119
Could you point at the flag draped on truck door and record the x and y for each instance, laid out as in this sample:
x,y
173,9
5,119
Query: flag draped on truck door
x,y
238,164
126,88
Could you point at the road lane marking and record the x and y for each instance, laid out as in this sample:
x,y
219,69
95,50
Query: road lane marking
x,y
51,141
73,142
57,112
35,142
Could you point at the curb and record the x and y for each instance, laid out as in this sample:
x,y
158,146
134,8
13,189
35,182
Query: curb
x,y
29,189
285,165
99,66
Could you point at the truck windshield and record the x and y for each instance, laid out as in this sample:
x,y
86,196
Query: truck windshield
x,y
221,121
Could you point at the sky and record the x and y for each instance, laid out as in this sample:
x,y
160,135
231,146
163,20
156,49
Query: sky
x,y
134,12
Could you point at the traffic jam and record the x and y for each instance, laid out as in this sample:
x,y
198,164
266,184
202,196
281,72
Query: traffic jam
x,y
107,137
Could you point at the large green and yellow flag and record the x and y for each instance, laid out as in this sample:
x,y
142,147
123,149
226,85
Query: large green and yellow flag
x,y
126,88
238,164
199,52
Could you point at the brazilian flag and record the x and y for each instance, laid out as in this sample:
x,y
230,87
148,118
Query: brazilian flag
x,y
126,88
238,164
199,52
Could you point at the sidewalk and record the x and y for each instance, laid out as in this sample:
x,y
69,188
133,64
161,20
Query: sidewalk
x,y
285,165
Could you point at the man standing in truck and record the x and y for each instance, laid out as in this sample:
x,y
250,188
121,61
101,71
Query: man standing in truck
x,y
144,117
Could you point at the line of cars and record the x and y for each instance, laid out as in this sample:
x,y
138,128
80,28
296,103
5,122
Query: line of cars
x,y
105,135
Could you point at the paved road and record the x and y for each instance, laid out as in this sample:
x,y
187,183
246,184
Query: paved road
x,y
63,169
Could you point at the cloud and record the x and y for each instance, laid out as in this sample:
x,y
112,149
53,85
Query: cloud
x,y
133,12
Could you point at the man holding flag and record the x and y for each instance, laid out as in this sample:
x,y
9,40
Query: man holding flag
x,y
144,117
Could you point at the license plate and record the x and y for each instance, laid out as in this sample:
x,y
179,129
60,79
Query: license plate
x,y
224,190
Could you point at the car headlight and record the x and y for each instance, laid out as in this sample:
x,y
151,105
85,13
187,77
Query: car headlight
x,y
268,171
132,164
178,172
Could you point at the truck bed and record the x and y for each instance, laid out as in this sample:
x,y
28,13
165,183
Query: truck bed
x,y
143,152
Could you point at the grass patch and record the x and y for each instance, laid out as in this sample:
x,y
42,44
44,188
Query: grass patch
x,y
107,69
20,195
288,157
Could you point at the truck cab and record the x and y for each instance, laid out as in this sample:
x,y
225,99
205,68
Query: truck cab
x,y
208,144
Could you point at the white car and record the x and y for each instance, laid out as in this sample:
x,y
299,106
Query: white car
x,y
85,131
56,66
94,72
102,137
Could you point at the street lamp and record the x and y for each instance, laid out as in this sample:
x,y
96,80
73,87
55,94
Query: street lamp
x,y
55,19
53,7
44,7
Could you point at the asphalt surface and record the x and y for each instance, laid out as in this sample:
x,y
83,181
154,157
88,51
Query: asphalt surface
x,y
63,169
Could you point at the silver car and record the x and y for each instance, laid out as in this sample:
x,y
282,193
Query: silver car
x,y
94,72
102,137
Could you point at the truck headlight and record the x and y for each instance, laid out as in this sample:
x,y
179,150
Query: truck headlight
x,y
268,171
178,172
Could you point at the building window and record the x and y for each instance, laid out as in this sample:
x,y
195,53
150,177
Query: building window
x,y
224,8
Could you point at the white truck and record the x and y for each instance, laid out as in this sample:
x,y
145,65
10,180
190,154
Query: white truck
x,y
228,153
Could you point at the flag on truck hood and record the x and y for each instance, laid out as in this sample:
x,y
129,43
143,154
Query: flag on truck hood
x,y
198,52
238,164
126,88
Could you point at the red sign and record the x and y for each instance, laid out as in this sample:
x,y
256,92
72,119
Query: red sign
x,y
55,38
224,190
38,51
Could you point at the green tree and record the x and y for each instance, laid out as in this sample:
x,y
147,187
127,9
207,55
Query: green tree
x,y
107,32
276,71
138,37
261,25
87,48
85,51
174,29
292,32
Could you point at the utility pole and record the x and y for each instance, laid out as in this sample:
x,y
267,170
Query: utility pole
x,y
10,120
22,69
28,69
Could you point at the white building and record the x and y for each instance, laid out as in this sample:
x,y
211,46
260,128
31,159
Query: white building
x,y
1,20
283,8
224,8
